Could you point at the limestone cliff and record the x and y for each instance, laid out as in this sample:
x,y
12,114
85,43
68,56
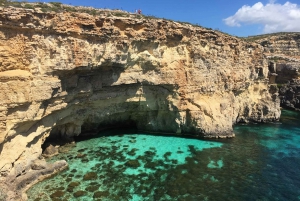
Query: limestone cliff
x,y
283,53
279,43
62,74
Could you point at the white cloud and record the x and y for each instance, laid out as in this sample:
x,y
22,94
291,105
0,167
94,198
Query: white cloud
x,y
273,16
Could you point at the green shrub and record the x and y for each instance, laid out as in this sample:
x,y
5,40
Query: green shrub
x,y
279,85
70,9
93,12
29,6
56,4
151,17
119,14
7,3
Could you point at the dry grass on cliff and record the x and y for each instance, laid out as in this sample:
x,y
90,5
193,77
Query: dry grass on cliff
x,y
265,36
59,7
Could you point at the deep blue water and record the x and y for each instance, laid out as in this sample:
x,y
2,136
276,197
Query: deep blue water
x,y
261,163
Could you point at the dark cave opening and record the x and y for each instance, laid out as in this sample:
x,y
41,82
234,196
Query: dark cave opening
x,y
88,131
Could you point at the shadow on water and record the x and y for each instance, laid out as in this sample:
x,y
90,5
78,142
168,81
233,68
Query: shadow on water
x,y
260,163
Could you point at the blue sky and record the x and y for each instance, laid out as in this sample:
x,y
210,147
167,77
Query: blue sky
x,y
236,17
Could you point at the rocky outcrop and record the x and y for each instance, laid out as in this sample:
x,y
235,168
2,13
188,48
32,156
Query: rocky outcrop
x,y
283,52
63,74
13,188
279,44
288,80
290,95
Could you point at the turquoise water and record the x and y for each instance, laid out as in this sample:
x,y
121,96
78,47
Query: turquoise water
x,y
261,163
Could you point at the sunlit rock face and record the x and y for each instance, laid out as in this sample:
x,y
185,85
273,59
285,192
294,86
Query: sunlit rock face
x,y
280,44
65,74
283,53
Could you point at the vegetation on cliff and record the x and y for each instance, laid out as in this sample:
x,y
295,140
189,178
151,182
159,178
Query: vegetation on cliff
x,y
59,7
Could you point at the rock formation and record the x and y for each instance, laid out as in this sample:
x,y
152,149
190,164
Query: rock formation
x,y
283,52
63,74
288,80
281,44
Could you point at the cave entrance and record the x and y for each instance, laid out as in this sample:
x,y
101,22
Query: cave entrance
x,y
60,138
90,130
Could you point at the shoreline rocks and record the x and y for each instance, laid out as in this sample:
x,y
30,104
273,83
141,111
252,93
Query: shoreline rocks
x,y
14,187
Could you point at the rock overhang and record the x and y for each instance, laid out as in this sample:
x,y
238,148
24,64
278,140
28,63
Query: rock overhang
x,y
61,72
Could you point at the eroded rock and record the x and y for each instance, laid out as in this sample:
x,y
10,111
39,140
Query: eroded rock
x,y
14,188
282,51
86,73
50,151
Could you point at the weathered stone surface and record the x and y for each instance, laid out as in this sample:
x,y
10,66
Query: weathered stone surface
x,y
50,150
290,95
69,73
39,165
283,52
14,188
280,44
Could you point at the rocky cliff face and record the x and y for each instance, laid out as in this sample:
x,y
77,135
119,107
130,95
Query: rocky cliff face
x,y
280,44
63,74
288,80
283,52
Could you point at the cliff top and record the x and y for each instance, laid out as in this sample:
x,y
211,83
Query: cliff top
x,y
281,35
56,19
281,47
57,7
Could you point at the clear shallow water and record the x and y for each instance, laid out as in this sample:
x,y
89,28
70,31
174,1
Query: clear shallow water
x,y
261,163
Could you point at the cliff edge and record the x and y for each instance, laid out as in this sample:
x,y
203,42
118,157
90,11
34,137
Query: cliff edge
x,y
283,53
67,73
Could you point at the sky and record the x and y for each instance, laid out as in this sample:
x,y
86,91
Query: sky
x,y
236,17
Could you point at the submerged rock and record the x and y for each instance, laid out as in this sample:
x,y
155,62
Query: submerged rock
x,y
74,170
100,194
92,188
90,176
79,193
151,165
57,194
133,163
74,184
